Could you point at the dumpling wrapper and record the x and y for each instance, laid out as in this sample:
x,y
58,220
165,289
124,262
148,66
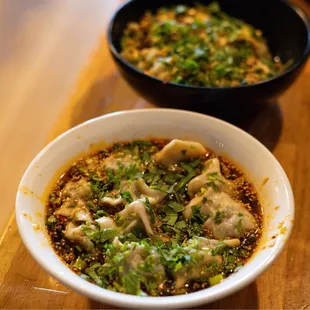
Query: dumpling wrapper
x,y
200,249
236,219
138,209
76,235
76,190
78,213
106,222
139,189
189,272
177,151
114,163
211,166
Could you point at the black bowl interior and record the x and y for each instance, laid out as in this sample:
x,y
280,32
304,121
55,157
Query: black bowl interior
x,y
285,27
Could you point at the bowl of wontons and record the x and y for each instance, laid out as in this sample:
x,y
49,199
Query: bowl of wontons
x,y
155,208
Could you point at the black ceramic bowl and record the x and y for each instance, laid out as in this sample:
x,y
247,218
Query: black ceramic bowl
x,y
285,27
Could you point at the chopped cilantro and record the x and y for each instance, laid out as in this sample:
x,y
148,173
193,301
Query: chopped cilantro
x,y
92,272
101,213
197,216
80,264
219,249
150,210
131,281
187,167
51,219
205,199
171,217
240,217
99,187
132,172
195,163
219,216
181,184
213,185
100,236
177,207
214,176
216,279
180,225
127,196
142,143
146,156
164,190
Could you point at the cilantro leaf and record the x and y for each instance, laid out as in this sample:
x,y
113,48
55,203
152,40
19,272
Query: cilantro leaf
x,y
187,167
180,225
197,215
99,236
150,210
142,143
132,172
219,248
171,217
127,196
213,185
219,216
132,282
181,184
177,207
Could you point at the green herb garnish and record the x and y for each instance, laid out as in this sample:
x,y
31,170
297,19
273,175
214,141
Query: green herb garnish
x,y
219,216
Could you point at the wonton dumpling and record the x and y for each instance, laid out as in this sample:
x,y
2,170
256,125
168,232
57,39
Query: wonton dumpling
x,y
82,215
189,272
78,213
138,209
76,190
139,189
227,218
75,234
178,150
65,211
137,257
196,201
211,166
131,226
199,249
114,163
236,218
74,206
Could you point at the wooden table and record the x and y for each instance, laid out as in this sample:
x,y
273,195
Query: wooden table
x,y
283,127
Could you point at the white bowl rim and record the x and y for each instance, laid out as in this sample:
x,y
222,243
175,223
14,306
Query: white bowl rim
x,y
187,300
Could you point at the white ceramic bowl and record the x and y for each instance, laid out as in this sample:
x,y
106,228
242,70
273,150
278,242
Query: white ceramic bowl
x,y
276,194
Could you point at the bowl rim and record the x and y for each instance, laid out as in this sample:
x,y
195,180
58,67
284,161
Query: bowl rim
x,y
290,69
193,299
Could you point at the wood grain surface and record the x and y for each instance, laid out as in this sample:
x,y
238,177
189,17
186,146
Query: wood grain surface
x,y
44,46
283,127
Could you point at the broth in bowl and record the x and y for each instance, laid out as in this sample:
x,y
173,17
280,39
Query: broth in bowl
x,y
154,217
